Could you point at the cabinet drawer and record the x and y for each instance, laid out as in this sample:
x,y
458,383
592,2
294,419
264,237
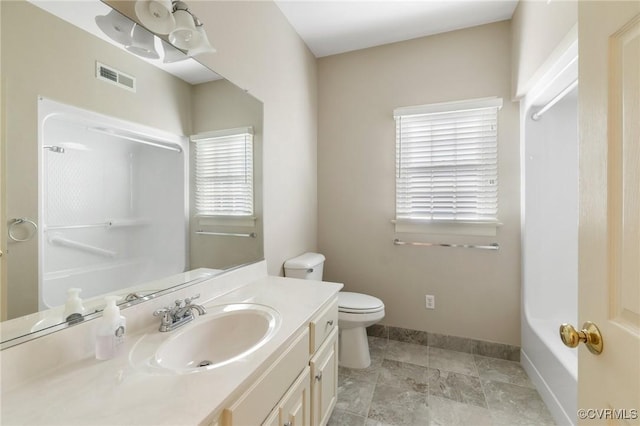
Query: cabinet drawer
x,y
257,402
323,324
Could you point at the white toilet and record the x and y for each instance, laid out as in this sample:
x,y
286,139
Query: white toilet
x,y
355,311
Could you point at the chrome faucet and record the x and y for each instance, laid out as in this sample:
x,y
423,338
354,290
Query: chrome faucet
x,y
180,314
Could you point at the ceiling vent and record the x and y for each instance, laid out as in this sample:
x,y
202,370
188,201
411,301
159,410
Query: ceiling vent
x,y
113,76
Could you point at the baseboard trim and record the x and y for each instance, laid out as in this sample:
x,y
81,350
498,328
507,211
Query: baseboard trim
x,y
443,341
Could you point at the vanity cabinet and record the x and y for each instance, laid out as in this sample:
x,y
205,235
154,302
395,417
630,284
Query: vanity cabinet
x,y
300,388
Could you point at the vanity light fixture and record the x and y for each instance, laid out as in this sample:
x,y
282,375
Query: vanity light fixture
x,y
171,54
132,36
142,43
204,46
173,18
116,26
157,15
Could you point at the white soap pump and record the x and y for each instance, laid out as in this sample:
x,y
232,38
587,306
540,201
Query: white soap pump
x,y
73,305
111,329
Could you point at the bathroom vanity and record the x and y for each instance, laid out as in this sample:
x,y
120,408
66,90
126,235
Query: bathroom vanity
x,y
307,397
290,378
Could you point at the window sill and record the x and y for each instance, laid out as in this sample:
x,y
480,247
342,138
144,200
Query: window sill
x,y
485,229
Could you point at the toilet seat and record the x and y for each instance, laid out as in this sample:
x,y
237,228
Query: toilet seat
x,y
358,303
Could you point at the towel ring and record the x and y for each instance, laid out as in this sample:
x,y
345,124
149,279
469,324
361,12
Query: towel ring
x,y
20,221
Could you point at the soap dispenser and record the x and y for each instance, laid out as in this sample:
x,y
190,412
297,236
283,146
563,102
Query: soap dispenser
x,y
110,331
73,305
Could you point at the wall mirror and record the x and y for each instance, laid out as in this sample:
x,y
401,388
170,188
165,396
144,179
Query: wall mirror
x,y
45,58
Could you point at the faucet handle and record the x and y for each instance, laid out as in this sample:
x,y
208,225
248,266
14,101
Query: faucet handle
x,y
179,303
165,318
161,311
188,300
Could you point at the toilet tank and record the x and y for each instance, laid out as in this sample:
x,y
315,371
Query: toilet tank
x,y
307,266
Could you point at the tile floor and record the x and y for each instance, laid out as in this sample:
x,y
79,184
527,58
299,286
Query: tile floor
x,y
410,384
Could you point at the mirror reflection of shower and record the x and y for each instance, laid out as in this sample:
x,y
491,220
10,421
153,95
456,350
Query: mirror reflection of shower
x,y
112,203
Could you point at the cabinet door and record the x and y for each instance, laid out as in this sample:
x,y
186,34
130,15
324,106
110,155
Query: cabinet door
x,y
273,419
324,378
293,408
295,405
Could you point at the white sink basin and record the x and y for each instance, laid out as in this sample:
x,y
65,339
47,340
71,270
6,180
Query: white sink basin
x,y
225,334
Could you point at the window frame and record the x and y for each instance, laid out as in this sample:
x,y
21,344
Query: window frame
x,y
224,217
452,226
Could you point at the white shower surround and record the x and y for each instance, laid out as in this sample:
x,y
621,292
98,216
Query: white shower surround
x,y
112,211
549,160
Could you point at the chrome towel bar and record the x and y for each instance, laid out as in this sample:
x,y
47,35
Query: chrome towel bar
x,y
492,246
226,234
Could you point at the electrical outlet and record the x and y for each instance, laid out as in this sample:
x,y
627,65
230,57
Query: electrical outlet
x,y
430,301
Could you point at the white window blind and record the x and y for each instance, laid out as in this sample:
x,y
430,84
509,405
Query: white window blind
x,y
224,173
446,161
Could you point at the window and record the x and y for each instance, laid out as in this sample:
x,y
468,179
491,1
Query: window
x,y
446,162
224,172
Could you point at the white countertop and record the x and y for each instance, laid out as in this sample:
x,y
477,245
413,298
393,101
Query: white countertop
x,y
121,392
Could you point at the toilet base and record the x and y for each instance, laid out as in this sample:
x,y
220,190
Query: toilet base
x,y
353,348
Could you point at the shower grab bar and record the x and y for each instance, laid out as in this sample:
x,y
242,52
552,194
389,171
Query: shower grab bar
x,y
538,114
492,246
227,234
115,223
92,225
64,242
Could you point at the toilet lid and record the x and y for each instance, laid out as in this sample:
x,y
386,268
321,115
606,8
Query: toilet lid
x,y
358,302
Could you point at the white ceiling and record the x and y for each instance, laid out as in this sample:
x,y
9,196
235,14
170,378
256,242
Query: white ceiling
x,y
329,27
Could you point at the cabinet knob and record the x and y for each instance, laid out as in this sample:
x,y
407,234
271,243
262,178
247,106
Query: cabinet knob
x,y
319,376
330,323
288,423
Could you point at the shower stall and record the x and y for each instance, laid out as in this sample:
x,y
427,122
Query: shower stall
x,y
112,203
550,233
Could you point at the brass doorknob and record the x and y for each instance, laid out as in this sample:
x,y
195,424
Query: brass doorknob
x,y
589,335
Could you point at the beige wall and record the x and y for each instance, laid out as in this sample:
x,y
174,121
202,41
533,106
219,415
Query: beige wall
x,y
477,291
220,105
538,27
60,64
259,51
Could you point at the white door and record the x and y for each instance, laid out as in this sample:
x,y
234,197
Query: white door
x,y
609,218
